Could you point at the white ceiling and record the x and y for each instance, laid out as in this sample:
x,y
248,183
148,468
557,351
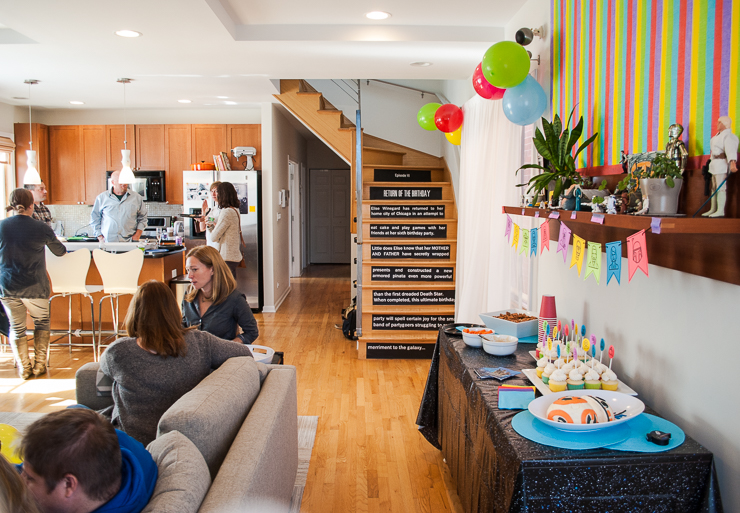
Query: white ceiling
x,y
201,49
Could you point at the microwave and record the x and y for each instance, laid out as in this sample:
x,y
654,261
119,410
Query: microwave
x,y
150,185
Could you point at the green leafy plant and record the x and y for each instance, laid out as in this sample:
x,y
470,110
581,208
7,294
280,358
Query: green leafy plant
x,y
556,144
661,167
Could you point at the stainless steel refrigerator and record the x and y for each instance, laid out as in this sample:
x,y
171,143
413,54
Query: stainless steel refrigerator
x,y
196,185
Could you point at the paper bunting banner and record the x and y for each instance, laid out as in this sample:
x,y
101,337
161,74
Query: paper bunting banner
x,y
533,241
614,261
637,257
509,222
563,241
545,236
525,242
515,238
593,263
579,249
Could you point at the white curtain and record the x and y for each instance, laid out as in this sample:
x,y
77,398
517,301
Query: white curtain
x,y
491,152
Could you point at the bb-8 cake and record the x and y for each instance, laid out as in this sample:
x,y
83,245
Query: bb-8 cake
x,y
585,409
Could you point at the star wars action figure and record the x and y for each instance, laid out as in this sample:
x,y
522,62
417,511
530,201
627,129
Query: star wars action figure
x,y
675,149
723,147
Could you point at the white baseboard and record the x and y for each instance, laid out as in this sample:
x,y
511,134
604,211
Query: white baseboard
x,y
282,298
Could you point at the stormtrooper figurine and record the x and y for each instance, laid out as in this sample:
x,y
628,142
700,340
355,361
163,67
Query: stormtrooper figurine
x,y
675,149
723,147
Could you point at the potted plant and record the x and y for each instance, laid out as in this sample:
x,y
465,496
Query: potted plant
x,y
555,144
661,182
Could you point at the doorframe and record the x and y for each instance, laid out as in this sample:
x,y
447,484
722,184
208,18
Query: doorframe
x,y
294,206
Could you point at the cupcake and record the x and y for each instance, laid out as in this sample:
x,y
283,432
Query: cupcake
x,y
575,380
601,368
558,381
583,368
549,368
568,367
609,380
593,382
541,364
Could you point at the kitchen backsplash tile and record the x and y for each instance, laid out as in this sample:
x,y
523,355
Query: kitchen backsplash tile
x,y
76,218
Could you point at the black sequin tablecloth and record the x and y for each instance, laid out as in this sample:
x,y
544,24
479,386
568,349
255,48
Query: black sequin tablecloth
x,y
497,470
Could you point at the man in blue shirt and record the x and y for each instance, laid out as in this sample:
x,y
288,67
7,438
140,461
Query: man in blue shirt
x,y
74,461
118,215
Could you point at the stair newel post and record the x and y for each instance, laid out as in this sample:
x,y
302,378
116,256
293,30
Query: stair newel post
x,y
358,195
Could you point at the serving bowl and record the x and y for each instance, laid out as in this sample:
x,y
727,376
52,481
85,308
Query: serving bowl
x,y
473,339
504,327
626,407
499,345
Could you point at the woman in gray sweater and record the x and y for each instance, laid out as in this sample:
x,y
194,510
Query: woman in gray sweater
x,y
159,363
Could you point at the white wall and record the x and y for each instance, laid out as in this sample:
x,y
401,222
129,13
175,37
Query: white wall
x,y
8,116
185,115
457,92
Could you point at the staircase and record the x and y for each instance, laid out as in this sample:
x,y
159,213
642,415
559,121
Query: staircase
x,y
409,225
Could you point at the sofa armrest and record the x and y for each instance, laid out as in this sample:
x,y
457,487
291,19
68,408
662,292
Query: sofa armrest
x,y
86,388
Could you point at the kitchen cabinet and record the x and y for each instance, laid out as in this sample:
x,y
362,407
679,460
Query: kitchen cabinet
x,y
178,151
150,153
40,145
93,162
77,162
244,135
208,140
114,137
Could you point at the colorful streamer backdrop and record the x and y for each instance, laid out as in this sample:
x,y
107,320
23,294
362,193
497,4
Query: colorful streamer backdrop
x,y
632,68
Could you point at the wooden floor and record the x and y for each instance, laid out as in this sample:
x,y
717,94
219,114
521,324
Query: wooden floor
x,y
368,454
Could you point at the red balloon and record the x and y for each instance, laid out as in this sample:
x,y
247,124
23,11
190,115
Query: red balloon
x,y
448,118
484,88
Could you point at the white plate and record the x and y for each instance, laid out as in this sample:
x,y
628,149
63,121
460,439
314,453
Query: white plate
x,y
630,407
621,387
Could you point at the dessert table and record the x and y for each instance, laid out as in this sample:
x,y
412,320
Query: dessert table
x,y
497,470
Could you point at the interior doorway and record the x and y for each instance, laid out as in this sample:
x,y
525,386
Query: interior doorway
x,y
294,206
329,204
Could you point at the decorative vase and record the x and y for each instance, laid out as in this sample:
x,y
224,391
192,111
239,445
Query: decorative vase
x,y
663,199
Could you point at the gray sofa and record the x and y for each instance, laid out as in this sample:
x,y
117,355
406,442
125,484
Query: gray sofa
x,y
228,445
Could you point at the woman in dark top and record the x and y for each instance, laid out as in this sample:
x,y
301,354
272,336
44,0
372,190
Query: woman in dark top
x,y
213,302
159,363
24,285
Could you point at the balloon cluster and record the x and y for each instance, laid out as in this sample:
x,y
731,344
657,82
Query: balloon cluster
x,y
447,118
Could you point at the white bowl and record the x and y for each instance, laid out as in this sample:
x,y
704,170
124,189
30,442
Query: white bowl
x,y
505,345
473,340
618,402
517,329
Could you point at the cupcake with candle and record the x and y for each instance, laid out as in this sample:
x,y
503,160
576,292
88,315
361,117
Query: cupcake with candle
x,y
592,380
547,371
558,381
609,380
541,364
575,380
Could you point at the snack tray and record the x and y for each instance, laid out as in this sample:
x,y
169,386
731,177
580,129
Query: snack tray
x,y
545,390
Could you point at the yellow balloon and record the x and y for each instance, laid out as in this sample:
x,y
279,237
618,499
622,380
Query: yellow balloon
x,y
10,438
455,137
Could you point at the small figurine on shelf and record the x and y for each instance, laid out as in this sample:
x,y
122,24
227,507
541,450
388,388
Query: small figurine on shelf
x,y
723,147
568,200
675,149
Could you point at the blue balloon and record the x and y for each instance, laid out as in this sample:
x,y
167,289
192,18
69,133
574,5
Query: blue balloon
x,y
524,104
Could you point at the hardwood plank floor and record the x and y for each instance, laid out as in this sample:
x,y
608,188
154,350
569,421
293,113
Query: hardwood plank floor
x,y
368,455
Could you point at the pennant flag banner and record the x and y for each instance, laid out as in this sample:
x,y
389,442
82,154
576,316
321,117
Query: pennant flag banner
x,y
509,222
614,261
515,238
637,253
525,242
579,246
533,241
563,241
545,232
593,264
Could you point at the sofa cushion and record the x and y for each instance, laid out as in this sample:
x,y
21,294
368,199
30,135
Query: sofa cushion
x,y
183,479
211,414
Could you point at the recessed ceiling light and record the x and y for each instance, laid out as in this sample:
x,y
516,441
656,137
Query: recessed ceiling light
x,y
377,15
76,102
127,33
421,64
221,97
184,101
230,103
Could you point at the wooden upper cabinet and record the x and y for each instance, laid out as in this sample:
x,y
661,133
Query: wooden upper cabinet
x,y
40,145
178,150
244,135
94,151
114,137
65,165
208,140
150,147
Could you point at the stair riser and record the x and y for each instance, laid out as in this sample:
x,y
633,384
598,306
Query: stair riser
x,y
403,252
411,192
368,172
408,211
381,158
403,231
425,274
409,325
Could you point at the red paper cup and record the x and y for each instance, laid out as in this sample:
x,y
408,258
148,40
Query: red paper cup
x,y
540,328
547,308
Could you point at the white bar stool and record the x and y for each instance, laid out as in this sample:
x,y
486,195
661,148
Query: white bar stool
x,y
120,274
68,274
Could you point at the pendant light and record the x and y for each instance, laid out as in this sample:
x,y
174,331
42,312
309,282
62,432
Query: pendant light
x,y
31,177
127,175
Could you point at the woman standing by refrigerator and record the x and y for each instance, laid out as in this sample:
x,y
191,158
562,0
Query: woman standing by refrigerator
x,y
226,231
209,212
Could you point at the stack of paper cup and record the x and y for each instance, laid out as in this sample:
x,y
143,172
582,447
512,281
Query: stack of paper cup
x,y
548,314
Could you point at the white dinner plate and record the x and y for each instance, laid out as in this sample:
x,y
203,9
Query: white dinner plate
x,y
623,406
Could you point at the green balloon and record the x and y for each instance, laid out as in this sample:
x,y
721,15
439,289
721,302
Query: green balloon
x,y
425,117
505,64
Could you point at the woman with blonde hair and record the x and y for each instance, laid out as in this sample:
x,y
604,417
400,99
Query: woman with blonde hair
x,y
15,497
24,285
159,361
213,303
